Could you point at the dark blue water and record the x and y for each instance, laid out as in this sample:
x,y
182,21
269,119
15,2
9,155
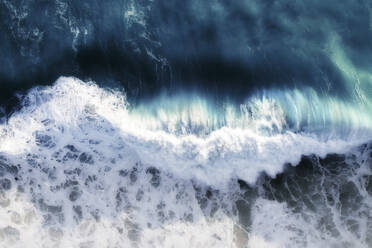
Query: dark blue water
x,y
216,47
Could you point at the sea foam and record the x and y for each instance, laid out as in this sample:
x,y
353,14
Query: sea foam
x,y
91,171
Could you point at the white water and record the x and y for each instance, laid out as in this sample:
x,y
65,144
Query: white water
x,y
77,140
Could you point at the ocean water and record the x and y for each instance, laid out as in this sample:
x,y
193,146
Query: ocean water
x,y
185,124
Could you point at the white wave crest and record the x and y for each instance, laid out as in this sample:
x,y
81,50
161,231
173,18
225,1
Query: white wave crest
x,y
75,112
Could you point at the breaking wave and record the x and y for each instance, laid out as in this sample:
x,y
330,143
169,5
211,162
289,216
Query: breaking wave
x,y
81,167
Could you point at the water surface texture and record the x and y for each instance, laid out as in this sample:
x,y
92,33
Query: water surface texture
x,y
189,123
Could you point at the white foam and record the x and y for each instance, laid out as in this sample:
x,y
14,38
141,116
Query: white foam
x,y
77,138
